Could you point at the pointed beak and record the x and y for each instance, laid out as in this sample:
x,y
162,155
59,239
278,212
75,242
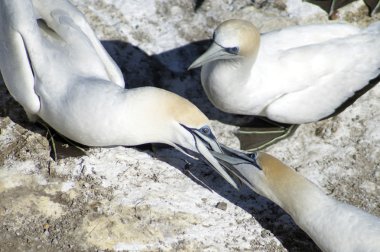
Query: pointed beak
x,y
243,166
208,155
234,166
213,53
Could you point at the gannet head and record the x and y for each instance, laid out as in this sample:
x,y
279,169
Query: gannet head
x,y
176,121
232,39
268,176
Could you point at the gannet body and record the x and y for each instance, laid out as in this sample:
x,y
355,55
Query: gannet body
x,y
294,75
333,225
55,67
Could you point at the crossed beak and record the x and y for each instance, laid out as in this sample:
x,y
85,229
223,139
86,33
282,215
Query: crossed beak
x,y
234,166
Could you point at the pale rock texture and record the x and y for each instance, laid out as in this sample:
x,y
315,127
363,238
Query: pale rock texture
x,y
138,199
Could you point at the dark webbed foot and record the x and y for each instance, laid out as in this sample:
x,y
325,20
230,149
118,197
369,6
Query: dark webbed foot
x,y
257,137
331,6
61,146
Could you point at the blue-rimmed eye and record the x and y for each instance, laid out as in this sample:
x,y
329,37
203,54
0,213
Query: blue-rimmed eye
x,y
233,50
205,130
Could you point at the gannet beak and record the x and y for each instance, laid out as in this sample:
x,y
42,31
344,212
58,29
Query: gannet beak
x,y
242,165
202,144
215,52
206,151
231,164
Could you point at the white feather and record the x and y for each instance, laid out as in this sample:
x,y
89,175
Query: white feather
x,y
301,74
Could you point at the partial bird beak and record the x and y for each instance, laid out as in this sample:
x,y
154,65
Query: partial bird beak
x,y
206,151
242,165
231,164
213,53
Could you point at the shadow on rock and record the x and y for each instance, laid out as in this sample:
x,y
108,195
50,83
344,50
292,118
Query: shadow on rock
x,y
268,214
168,70
60,147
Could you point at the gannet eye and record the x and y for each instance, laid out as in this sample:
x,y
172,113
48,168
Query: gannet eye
x,y
205,130
232,50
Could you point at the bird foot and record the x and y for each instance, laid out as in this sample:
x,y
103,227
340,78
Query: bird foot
x,y
61,146
254,139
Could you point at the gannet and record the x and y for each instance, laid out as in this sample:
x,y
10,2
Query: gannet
x,y
333,225
55,67
295,75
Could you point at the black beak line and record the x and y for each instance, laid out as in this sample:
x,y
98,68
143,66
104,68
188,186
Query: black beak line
x,y
236,163
202,138
247,158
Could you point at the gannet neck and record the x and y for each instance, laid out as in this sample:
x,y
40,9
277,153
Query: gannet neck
x,y
225,71
124,117
163,113
230,76
288,189
334,226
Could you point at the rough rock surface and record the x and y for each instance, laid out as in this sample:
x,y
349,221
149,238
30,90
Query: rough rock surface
x,y
143,199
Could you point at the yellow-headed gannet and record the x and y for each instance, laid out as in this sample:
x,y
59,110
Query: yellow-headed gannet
x,y
55,67
333,225
295,75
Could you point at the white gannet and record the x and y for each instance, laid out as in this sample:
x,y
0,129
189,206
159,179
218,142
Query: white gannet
x,y
333,225
295,75
55,67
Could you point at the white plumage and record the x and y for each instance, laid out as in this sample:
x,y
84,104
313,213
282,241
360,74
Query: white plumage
x,y
294,75
333,225
55,67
